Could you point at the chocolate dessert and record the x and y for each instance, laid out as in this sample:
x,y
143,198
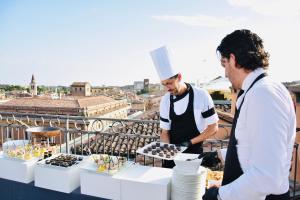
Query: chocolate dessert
x,y
154,152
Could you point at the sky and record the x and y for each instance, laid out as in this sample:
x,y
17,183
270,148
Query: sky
x,y
107,42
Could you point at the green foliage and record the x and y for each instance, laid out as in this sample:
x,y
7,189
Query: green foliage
x,y
63,90
143,91
9,88
41,89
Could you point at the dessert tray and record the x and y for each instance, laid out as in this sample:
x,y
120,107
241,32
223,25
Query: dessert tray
x,y
161,150
62,161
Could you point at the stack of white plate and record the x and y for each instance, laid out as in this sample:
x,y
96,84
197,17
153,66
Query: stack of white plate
x,y
187,186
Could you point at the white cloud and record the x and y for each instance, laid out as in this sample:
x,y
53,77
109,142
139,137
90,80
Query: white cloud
x,y
270,7
201,20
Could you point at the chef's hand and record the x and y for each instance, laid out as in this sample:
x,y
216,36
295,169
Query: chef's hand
x,y
187,143
211,194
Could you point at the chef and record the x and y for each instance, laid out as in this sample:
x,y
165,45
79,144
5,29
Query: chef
x,y
187,114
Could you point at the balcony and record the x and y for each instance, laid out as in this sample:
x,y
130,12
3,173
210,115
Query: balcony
x,y
121,137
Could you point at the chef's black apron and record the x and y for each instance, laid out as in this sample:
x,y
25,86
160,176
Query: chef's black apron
x,y
183,127
233,168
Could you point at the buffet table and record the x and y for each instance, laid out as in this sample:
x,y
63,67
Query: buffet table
x,y
132,182
143,182
55,183
11,190
17,170
73,177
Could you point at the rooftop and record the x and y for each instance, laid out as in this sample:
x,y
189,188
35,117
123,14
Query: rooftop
x,y
294,88
69,102
80,83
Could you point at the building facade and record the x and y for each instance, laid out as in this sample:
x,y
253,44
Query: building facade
x,y
81,89
70,106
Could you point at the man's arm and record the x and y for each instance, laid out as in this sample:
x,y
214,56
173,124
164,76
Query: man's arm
x,y
207,133
205,105
165,136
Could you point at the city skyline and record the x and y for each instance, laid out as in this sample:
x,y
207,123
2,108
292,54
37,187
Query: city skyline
x,y
108,43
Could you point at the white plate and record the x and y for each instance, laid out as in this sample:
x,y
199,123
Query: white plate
x,y
187,167
213,183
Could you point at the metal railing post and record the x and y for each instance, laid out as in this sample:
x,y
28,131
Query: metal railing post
x,y
295,172
66,135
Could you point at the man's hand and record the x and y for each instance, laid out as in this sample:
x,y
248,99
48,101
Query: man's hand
x,y
187,143
211,194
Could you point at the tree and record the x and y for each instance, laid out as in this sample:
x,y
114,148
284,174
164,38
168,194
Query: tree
x,y
9,88
41,89
143,91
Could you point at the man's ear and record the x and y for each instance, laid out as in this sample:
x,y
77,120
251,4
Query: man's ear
x,y
233,59
179,76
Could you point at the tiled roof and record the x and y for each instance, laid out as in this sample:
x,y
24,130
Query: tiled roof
x,y
79,83
58,103
93,101
39,102
294,88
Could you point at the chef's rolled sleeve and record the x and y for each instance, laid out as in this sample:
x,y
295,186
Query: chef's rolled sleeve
x,y
208,112
165,122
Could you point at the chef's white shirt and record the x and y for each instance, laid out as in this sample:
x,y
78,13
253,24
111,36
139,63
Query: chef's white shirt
x,y
203,103
265,132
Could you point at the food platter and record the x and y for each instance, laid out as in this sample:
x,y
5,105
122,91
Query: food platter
x,y
62,161
27,152
161,150
106,164
214,178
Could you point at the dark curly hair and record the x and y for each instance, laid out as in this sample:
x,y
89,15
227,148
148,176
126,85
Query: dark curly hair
x,y
247,48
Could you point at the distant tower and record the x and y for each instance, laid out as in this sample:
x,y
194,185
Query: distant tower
x,y
33,86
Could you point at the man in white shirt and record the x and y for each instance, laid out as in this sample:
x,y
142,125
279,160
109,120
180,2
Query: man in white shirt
x,y
263,131
187,115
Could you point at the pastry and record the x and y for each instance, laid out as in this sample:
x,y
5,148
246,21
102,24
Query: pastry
x,y
153,152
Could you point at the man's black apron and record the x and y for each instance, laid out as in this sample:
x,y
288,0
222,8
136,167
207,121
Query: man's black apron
x,y
233,168
183,127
